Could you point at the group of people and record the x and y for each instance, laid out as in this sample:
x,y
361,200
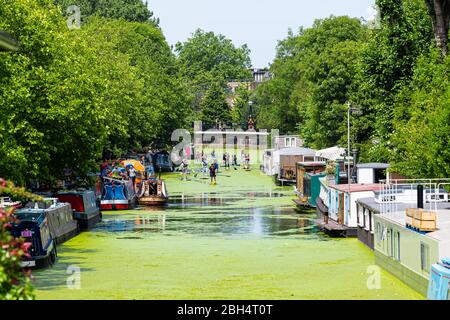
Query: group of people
x,y
118,171
213,167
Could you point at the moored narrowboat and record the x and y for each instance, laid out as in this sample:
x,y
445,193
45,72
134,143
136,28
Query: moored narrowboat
x,y
34,228
6,202
117,194
153,192
307,186
59,215
84,206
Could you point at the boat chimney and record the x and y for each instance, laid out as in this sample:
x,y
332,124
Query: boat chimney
x,y
355,155
420,196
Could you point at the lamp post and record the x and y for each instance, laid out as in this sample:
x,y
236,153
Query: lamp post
x,y
350,110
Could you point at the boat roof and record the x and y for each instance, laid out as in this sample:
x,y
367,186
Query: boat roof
x,y
332,153
370,204
30,215
296,151
74,192
357,187
312,164
373,165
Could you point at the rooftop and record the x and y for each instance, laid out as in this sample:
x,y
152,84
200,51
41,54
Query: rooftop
x,y
373,166
443,221
356,187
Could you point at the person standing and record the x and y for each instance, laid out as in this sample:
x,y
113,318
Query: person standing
x,y
204,166
235,160
184,169
227,161
132,175
212,173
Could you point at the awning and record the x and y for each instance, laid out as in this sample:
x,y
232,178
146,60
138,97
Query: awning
x,y
333,153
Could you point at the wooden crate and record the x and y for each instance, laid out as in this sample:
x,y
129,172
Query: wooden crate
x,y
424,225
410,212
409,221
425,215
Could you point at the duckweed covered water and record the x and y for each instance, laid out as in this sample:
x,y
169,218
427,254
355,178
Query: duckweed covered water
x,y
240,239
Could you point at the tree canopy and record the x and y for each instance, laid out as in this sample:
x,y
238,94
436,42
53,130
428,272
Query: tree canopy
x,y
70,96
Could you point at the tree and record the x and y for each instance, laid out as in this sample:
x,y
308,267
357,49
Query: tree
x,y
129,10
214,107
241,110
70,96
313,74
206,59
439,11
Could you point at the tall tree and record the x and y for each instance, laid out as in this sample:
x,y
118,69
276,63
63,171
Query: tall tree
x,y
206,59
130,10
439,11
215,110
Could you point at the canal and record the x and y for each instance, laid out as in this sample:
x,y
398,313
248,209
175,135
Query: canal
x,y
239,239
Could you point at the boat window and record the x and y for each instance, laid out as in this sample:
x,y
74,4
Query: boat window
x,y
45,235
378,232
389,243
425,256
397,245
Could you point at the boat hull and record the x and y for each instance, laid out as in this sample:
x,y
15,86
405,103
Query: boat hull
x,y
116,205
152,201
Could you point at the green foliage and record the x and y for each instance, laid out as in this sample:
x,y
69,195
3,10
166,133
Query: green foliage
x,y
214,108
15,283
241,111
314,71
129,10
387,66
70,96
422,121
207,59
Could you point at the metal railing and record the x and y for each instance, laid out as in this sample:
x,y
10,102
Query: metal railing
x,y
396,192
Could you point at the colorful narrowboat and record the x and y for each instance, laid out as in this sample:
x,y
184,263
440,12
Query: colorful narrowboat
x,y
153,192
84,206
117,194
34,228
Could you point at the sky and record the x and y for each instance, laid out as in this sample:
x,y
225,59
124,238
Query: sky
x,y
258,23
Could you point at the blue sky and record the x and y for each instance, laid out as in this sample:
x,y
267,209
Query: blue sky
x,y
259,23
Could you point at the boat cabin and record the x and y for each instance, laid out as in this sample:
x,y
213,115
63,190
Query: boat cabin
x,y
285,162
34,228
372,172
117,194
59,215
153,192
307,182
340,203
84,206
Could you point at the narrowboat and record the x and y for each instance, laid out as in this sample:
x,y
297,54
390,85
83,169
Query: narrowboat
x,y
6,202
117,194
307,189
59,215
439,284
84,206
153,192
285,160
34,228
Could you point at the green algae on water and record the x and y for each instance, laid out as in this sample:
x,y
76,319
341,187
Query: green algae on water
x,y
240,239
